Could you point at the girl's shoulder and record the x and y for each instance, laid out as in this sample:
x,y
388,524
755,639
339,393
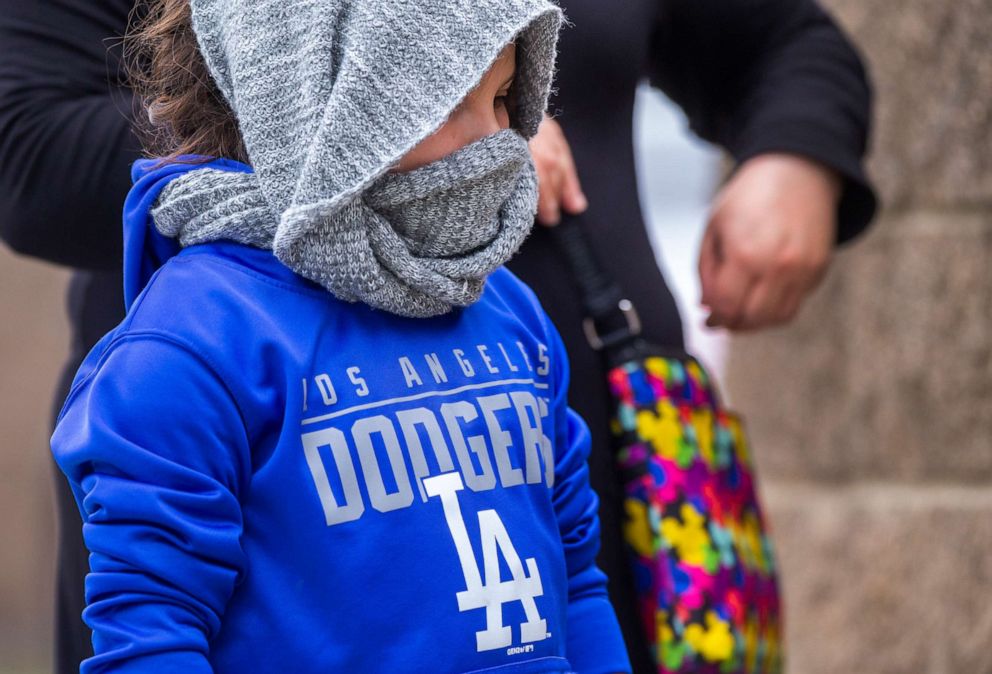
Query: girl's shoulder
x,y
207,314
508,290
224,286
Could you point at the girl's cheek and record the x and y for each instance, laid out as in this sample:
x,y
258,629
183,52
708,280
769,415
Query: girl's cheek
x,y
503,117
487,120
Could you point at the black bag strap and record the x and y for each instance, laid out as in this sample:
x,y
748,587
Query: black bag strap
x,y
611,320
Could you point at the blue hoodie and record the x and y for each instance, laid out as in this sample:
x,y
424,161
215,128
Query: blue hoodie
x,y
272,480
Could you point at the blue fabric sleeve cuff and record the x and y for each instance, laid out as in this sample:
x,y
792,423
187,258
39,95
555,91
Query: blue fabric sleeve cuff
x,y
169,662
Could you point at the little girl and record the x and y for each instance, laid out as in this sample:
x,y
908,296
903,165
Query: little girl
x,y
331,434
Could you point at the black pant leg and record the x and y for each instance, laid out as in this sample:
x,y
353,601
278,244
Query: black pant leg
x,y
73,639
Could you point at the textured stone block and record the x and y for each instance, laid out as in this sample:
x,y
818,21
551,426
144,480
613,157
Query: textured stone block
x,y
887,373
887,580
931,64
33,342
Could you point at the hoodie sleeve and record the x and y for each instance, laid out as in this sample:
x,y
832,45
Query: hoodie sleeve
x,y
595,644
156,451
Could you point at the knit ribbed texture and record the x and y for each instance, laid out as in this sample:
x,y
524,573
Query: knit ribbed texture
x,y
415,244
329,94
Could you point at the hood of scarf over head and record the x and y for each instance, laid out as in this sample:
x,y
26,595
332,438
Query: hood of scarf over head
x,y
366,82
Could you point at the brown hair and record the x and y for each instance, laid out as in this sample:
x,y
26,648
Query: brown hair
x,y
180,111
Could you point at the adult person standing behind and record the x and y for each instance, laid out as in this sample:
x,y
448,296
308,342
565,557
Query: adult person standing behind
x,y
776,84
66,148
761,78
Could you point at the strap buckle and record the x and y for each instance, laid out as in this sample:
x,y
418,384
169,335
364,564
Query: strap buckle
x,y
633,328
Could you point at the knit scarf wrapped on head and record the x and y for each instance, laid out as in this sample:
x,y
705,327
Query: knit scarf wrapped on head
x,y
415,244
329,94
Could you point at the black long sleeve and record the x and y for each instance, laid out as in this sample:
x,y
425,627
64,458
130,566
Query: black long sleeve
x,y
757,76
65,139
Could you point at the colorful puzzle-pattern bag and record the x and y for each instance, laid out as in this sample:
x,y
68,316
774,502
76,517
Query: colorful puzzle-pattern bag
x,y
703,564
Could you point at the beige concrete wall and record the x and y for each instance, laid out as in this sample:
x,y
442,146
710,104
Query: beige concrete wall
x,y
872,415
33,343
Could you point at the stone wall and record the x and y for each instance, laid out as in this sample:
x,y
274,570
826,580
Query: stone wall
x,y
33,343
872,415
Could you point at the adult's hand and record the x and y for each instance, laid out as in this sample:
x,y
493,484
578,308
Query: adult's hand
x,y
768,241
558,181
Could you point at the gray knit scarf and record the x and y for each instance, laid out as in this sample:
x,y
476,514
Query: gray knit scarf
x,y
415,244
329,95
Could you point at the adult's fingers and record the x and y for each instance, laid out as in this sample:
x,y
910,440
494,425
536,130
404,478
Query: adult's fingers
x,y
732,283
549,197
784,287
558,180
573,200
765,305
709,254
791,304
